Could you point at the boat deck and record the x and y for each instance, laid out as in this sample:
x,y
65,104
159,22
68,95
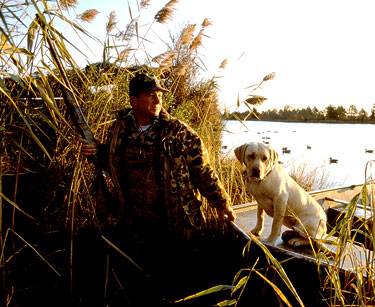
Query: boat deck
x,y
354,259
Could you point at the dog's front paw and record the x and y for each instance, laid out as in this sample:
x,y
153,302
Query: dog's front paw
x,y
270,241
256,231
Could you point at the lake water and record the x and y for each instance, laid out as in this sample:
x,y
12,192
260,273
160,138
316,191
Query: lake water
x,y
312,144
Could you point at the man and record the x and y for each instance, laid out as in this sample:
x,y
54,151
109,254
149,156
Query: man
x,y
159,167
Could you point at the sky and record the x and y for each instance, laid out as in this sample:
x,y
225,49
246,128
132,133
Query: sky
x,y
322,51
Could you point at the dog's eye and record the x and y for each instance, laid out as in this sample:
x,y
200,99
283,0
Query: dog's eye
x,y
264,158
251,156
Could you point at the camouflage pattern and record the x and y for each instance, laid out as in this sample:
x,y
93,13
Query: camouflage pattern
x,y
180,169
139,168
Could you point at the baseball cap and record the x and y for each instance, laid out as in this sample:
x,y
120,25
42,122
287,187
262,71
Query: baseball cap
x,y
144,83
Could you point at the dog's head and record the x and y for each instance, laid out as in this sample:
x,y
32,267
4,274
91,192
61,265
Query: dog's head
x,y
258,158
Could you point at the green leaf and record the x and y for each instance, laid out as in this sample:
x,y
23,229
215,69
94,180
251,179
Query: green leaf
x,y
241,283
206,292
5,47
364,193
4,89
226,303
276,289
31,34
236,117
14,77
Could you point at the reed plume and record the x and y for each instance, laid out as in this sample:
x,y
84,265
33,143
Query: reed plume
x,y
181,70
223,64
66,4
197,41
123,57
145,3
88,15
206,22
187,34
111,21
165,59
256,100
166,12
130,29
270,76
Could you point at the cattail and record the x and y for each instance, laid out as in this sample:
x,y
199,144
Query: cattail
x,y
111,21
66,4
88,15
187,35
145,3
206,22
197,41
223,64
166,12
270,76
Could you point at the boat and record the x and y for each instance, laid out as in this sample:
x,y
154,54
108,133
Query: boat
x,y
306,268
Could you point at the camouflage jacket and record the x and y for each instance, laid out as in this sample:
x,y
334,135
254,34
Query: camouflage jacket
x,y
187,174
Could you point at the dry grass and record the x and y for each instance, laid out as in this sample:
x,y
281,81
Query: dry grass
x,y
310,179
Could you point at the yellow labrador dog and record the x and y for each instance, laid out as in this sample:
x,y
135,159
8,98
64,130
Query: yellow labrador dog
x,y
280,197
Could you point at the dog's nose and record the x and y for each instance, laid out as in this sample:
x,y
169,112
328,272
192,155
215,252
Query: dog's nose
x,y
256,172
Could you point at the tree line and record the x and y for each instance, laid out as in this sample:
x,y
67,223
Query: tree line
x,y
289,113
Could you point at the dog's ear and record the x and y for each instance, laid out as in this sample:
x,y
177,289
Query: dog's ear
x,y
274,156
240,153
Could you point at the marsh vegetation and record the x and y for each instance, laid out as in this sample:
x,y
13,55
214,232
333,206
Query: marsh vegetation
x,y
52,219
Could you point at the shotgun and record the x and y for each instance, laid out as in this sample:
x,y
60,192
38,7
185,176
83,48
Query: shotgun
x,y
78,118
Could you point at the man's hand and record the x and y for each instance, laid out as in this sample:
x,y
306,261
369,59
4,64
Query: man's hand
x,y
227,214
87,149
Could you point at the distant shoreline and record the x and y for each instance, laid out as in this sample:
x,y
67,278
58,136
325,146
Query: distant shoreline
x,y
324,121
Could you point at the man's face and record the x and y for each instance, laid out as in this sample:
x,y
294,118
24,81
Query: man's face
x,y
147,106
